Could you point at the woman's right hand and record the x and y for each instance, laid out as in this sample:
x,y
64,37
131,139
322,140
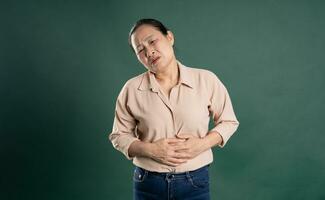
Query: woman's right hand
x,y
165,151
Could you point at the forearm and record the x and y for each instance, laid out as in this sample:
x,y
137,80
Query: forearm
x,y
140,149
212,139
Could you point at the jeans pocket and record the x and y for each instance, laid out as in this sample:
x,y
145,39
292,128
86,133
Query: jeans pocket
x,y
200,179
139,174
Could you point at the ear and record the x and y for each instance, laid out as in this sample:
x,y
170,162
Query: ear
x,y
170,37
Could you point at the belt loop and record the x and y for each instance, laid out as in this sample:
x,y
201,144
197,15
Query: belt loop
x,y
188,174
166,175
145,172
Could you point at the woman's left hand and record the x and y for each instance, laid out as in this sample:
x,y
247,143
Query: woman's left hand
x,y
192,147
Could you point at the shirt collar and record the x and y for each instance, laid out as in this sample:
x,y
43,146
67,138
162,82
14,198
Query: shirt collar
x,y
149,81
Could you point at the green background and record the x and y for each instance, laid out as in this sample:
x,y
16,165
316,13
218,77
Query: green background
x,y
63,64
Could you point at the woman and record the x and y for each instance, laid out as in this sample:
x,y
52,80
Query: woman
x,y
162,117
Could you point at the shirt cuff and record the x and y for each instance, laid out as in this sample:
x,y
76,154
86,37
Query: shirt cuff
x,y
226,131
122,143
125,150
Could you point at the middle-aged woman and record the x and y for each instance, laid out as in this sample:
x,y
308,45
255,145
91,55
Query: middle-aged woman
x,y
162,119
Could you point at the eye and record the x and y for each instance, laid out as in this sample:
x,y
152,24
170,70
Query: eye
x,y
140,51
152,41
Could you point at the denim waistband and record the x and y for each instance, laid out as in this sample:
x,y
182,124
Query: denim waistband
x,y
176,174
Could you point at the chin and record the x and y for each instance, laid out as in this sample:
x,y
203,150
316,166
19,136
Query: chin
x,y
158,67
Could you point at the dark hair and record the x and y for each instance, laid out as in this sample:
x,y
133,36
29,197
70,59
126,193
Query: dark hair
x,y
147,21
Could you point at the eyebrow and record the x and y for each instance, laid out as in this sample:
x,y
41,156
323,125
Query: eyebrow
x,y
145,40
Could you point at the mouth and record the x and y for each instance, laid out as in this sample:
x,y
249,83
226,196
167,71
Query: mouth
x,y
154,61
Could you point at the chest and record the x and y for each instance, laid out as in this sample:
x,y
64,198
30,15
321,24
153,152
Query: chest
x,y
184,110
167,88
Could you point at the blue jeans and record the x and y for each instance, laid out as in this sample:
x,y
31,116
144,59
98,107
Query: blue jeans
x,y
191,185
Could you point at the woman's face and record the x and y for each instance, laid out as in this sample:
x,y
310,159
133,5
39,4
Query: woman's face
x,y
153,49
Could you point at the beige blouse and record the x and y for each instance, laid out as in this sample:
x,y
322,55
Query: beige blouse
x,y
144,113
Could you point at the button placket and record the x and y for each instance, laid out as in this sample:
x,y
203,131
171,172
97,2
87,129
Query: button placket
x,y
172,101
166,102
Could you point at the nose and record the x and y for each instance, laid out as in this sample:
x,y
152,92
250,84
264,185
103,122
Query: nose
x,y
150,52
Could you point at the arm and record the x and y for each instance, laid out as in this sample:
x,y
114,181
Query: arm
x,y
223,115
162,150
140,149
195,145
225,122
124,125
212,139
123,137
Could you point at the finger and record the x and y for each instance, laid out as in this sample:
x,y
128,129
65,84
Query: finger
x,y
180,147
184,136
175,140
176,145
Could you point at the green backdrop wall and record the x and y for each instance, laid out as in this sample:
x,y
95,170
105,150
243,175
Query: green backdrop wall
x,y
63,64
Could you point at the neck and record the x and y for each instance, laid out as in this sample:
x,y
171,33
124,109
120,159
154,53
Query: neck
x,y
170,75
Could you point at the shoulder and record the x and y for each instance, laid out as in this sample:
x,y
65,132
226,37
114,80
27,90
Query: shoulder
x,y
203,74
132,84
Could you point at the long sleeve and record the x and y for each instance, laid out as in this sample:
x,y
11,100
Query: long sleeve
x,y
221,110
123,133
143,114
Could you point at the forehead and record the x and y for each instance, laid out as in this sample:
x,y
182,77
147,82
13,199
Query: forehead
x,y
143,33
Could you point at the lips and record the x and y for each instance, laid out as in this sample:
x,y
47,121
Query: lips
x,y
155,60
